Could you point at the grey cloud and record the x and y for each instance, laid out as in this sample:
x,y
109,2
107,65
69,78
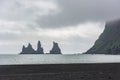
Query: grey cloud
x,y
78,11
73,12
9,36
24,10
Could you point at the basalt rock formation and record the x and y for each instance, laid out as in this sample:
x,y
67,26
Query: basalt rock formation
x,y
39,48
55,49
30,50
109,40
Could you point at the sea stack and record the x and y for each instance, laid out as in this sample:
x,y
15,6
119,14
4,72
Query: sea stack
x,y
55,49
28,49
39,48
109,40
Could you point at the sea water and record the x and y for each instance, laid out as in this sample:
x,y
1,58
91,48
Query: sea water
x,y
57,59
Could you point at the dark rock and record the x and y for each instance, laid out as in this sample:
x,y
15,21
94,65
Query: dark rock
x,y
55,49
23,50
109,40
39,48
28,50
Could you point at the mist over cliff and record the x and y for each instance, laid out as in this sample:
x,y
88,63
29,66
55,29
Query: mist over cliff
x,y
109,40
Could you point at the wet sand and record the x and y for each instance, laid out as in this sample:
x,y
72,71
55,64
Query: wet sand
x,y
92,71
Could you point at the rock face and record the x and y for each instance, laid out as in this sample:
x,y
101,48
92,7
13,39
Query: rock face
x,y
55,49
39,48
109,40
30,50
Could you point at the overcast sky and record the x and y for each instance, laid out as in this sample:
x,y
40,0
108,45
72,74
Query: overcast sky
x,y
74,24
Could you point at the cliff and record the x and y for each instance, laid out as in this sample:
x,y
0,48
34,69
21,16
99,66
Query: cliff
x,y
109,40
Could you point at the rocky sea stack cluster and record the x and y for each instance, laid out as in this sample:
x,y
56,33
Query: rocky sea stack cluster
x,y
109,40
29,50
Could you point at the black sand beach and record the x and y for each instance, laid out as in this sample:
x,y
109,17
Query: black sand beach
x,y
91,71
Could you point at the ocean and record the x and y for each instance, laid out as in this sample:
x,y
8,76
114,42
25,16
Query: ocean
x,y
12,59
